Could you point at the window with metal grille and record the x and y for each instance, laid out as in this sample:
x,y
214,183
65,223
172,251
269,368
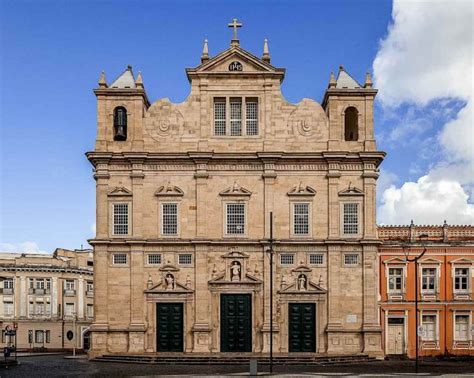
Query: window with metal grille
x,y
251,115
219,116
120,218
235,218
185,259
461,276
301,218
235,116
287,259
429,322
316,259
461,328
169,218
351,259
154,258
119,258
8,283
395,279
351,218
428,279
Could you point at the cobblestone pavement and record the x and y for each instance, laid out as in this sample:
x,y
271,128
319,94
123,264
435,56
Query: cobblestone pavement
x,y
58,366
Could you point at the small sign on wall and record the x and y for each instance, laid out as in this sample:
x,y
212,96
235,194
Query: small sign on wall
x,y
351,318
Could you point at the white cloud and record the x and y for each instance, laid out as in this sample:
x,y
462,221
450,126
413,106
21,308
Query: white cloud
x,y
427,56
25,247
94,228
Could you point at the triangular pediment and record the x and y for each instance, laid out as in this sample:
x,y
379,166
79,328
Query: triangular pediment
x,y
395,260
429,260
301,269
169,190
351,191
247,280
462,260
302,190
236,190
119,191
312,288
169,268
234,254
160,288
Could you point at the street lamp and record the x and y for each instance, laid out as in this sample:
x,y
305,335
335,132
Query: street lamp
x,y
415,260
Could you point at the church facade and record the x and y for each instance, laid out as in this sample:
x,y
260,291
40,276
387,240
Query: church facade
x,y
184,198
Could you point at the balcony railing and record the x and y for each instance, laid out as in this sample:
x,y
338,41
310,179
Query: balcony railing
x,y
38,291
69,292
6,291
90,293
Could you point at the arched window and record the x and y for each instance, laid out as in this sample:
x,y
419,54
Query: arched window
x,y
120,123
351,126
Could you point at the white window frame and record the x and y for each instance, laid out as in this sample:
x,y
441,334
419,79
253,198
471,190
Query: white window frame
x,y
182,255
116,254
469,279
402,288
89,314
67,308
347,254
436,325
162,216
469,326
293,205
244,121
148,258
69,284
9,283
226,233
286,254
323,258
436,279
129,218
359,219
10,306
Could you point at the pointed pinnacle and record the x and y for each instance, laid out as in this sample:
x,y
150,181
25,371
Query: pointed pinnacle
x,y
205,52
368,80
139,80
332,81
102,81
266,51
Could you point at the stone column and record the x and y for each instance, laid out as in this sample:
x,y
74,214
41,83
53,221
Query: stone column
x,y
80,298
54,297
23,297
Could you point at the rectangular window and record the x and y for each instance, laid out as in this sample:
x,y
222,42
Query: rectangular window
x,y
48,336
154,258
461,328
251,114
39,336
8,283
69,285
301,218
69,309
30,336
316,259
395,279
40,283
428,279
287,259
120,219
185,259
90,286
461,279
169,213
235,216
235,116
429,322
119,258
8,308
90,311
31,308
351,259
219,116
351,219
39,307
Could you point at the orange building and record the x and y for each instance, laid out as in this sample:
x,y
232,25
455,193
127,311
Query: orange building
x,y
445,289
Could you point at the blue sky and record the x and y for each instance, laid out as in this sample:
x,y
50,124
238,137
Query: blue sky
x,y
53,53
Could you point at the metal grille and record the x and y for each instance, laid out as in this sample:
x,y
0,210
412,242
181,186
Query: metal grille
x,y
235,218
154,258
185,259
219,116
170,218
395,279
235,116
428,279
120,218
351,218
119,258
301,218
351,259
287,259
316,259
251,111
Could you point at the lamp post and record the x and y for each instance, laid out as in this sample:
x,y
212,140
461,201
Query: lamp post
x,y
415,260
271,252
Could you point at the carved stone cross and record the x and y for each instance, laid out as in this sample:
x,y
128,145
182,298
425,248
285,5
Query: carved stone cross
x,y
234,24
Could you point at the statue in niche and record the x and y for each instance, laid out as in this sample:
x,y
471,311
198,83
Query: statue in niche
x,y
169,281
235,271
302,282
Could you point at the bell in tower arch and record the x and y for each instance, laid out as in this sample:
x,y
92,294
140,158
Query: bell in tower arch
x,y
120,124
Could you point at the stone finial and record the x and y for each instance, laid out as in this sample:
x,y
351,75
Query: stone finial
x,y
129,67
205,52
266,51
368,80
149,283
102,81
332,81
412,232
139,80
341,68
445,232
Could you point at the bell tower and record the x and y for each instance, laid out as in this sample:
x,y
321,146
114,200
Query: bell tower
x,y
120,111
349,107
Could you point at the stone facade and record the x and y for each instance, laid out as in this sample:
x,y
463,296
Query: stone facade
x,y
47,296
196,158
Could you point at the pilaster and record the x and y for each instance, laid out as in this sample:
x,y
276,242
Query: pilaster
x,y
80,298
54,297
23,297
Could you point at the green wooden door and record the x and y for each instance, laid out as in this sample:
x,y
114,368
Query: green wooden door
x,y
236,323
169,327
302,327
